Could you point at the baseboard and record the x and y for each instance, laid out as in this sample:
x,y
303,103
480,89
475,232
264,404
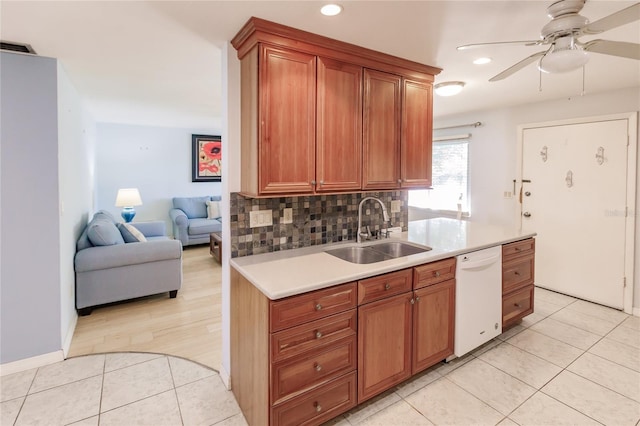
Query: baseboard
x,y
29,363
636,312
226,378
66,345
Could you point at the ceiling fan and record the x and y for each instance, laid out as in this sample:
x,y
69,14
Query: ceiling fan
x,y
565,51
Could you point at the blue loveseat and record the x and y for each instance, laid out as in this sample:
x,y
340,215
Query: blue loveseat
x,y
195,218
110,269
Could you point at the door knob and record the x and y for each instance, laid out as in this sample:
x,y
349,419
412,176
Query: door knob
x,y
526,214
528,194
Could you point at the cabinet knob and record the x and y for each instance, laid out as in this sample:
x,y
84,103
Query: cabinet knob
x,y
387,286
313,182
436,274
318,407
321,182
518,249
318,334
412,301
317,367
318,307
417,298
399,180
516,272
517,305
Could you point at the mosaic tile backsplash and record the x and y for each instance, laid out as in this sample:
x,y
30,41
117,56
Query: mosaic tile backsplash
x,y
317,219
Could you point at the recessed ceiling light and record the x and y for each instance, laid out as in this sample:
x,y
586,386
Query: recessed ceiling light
x,y
482,61
449,88
331,9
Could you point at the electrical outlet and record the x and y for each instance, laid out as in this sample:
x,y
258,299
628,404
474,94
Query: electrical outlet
x,y
260,218
395,206
287,215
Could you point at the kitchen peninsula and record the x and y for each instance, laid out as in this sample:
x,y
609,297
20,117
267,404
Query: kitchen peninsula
x,y
313,335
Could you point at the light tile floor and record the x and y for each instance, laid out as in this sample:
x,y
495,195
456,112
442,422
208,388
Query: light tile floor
x,y
570,363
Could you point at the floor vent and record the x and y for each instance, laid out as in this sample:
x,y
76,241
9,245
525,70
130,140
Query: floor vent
x,y
16,47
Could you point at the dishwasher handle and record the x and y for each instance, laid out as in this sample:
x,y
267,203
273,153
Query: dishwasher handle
x,y
467,264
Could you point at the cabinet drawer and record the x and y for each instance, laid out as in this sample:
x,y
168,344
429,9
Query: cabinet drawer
x,y
517,305
313,335
311,306
312,368
517,273
318,406
518,248
434,272
382,286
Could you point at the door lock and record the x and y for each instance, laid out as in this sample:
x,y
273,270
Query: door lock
x,y
526,214
528,194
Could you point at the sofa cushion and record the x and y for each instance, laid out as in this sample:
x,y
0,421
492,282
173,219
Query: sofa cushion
x,y
105,215
193,207
130,233
101,232
213,210
204,226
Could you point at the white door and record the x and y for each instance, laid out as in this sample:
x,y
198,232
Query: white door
x,y
575,201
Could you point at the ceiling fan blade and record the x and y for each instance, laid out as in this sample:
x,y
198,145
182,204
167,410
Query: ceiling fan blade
x,y
614,48
617,19
517,67
474,45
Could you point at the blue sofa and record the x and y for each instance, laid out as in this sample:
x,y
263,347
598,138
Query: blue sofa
x,y
109,269
193,221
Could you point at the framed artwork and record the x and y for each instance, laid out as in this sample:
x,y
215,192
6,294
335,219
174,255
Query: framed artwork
x,y
206,158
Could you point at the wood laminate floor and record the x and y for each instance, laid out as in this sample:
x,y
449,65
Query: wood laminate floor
x,y
188,326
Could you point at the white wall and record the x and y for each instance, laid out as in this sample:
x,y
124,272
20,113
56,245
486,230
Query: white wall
x,y
230,162
156,160
30,238
492,150
76,146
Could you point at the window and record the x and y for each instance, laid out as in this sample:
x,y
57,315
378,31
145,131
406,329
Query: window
x,y
450,179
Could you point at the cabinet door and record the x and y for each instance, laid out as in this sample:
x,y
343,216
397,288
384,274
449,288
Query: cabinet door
x,y
433,324
384,345
338,126
287,121
381,130
416,136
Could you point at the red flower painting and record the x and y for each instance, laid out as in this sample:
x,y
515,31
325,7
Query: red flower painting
x,y
209,158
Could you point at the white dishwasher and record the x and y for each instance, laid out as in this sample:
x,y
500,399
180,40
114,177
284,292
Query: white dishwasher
x,y
478,298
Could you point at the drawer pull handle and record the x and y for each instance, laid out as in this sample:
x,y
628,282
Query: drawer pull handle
x,y
436,274
318,334
516,272
518,249
387,286
318,307
318,407
517,305
417,298
317,367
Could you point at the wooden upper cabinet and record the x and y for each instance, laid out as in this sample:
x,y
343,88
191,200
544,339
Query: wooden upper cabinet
x,y
320,115
417,129
381,133
339,126
287,92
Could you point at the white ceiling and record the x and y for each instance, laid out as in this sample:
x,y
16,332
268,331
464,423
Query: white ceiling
x,y
158,62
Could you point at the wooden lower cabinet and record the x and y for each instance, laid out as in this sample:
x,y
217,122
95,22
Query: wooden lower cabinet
x,y
384,344
433,324
518,270
324,403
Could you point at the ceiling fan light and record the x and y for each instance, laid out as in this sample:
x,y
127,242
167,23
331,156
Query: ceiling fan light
x,y
448,88
559,61
331,9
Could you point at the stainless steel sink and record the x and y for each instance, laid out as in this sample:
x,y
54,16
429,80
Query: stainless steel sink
x,y
377,252
398,249
361,255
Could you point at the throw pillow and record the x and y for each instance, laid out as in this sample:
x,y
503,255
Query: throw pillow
x,y
130,233
213,210
193,207
104,233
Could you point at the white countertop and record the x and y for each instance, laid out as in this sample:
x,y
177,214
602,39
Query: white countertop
x,y
291,272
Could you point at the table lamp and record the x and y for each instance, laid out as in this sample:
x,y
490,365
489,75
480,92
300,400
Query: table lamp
x,y
127,198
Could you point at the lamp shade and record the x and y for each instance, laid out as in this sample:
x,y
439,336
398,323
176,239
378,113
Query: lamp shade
x,y
128,197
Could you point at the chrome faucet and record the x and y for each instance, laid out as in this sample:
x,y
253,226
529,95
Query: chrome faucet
x,y
366,233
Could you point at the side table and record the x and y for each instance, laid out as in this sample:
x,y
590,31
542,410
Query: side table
x,y
215,246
